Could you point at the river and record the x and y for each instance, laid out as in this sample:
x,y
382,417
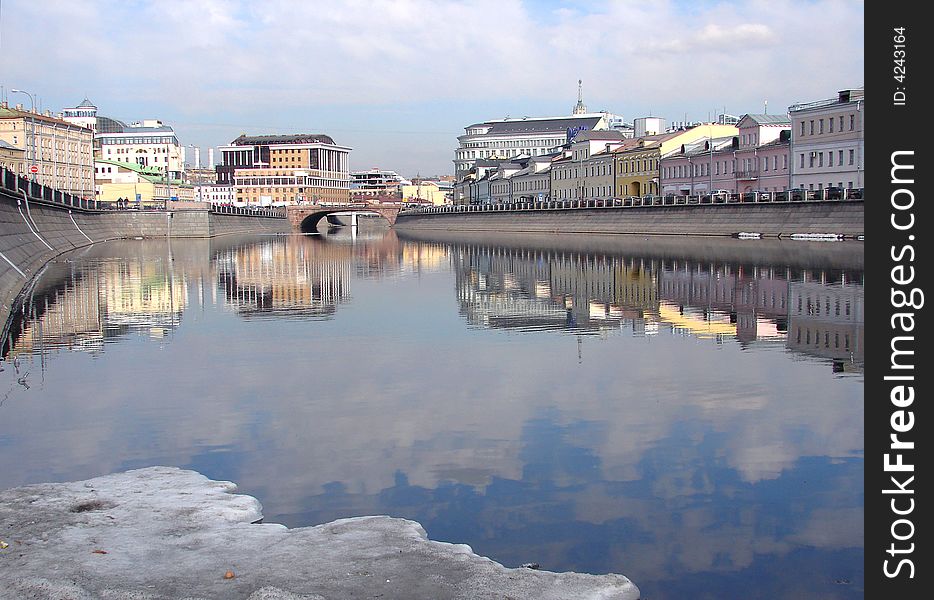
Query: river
x,y
688,413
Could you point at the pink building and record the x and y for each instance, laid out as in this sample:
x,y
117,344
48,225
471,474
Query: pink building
x,y
763,153
699,167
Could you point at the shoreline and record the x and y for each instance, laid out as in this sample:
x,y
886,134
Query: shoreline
x,y
165,532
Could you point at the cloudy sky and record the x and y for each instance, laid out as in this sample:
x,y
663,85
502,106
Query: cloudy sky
x,y
398,80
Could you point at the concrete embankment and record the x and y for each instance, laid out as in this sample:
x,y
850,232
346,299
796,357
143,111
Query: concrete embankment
x,y
162,532
34,232
768,219
771,252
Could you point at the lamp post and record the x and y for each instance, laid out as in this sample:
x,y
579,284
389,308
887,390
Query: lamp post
x,y
32,129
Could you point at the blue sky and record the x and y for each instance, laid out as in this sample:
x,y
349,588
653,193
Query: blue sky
x,y
399,80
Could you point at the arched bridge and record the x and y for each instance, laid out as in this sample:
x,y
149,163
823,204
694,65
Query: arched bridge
x,y
305,217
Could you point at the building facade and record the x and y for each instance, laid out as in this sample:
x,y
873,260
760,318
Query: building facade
x,y
375,184
214,193
138,185
699,167
61,153
506,139
286,169
762,154
827,142
148,143
637,168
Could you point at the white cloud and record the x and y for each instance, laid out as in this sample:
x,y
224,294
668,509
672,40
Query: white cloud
x,y
280,61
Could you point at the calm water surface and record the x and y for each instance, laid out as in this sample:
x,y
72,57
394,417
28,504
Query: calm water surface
x,y
688,415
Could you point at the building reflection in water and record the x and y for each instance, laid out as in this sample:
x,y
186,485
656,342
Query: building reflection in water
x,y
281,277
688,452
586,293
98,302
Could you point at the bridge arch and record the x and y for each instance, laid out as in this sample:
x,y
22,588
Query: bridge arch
x,y
305,218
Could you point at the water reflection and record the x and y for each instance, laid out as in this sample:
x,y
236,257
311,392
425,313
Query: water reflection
x,y
585,293
654,411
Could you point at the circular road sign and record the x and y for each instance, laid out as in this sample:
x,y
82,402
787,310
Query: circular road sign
x,y
34,169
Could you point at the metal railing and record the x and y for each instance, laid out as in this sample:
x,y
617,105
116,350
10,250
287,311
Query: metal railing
x,y
824,195
248,211
14,183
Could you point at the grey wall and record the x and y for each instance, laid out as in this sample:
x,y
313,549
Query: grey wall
x,y
774,219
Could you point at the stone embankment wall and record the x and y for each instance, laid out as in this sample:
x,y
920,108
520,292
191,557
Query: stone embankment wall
x,y
769,220
34,233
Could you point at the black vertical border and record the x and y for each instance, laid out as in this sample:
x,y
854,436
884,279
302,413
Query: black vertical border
x,y
892,127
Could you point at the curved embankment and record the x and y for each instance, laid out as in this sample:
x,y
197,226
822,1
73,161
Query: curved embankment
x,y
163,532
781,219
34,232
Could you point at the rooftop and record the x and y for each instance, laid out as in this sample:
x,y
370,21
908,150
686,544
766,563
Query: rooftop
x,y
763,119
299,138
539,124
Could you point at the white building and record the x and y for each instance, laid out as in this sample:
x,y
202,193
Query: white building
x,y
213,193
148,143
85,115
644,126
827,142
533,183
375,183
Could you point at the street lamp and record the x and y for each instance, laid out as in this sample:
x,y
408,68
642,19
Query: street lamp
x,y
32,136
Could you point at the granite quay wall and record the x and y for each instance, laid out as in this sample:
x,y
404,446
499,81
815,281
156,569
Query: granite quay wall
x,y
769,220
33,233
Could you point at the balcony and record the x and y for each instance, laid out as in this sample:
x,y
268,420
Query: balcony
x,y
750,174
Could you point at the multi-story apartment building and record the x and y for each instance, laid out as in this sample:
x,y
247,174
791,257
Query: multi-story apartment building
x,y
762,155
55,153
533,183
637,168
286,169
11,157
697,168
585,170
827,142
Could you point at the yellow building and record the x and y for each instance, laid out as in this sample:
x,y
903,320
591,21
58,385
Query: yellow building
x,y
62,152
11,157
637,172
426,191
116,180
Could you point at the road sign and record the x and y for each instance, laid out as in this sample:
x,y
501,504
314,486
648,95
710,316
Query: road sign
x,y
34,169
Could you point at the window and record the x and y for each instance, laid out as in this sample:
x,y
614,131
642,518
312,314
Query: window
x,y
820,126
840,157
841,122
830,159
820,159
852,122
811,129
802,126
831,125
852,155
811,161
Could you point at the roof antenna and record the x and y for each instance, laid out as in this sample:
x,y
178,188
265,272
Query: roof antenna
x,y
766,107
